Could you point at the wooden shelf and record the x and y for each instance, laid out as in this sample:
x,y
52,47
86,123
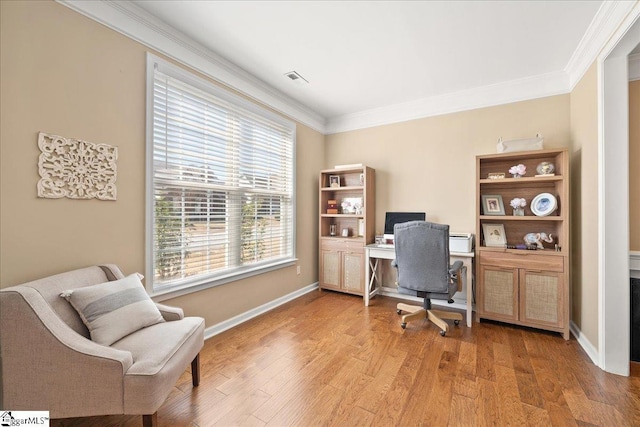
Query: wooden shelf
x,y
523,180
520,218
350,188
546,252
341,264
521,286
350,238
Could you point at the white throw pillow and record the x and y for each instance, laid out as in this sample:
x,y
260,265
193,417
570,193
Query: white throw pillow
x,y
115,309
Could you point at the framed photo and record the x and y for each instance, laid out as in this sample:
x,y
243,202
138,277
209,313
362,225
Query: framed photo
x,y
352,205
334,181
494,235
492,205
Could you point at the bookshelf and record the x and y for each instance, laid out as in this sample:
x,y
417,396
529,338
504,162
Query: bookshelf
x,y
516,283
346,225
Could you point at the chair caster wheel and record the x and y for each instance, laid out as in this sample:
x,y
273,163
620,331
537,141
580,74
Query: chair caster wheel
x,y
399,311
456,322
403,325
443,333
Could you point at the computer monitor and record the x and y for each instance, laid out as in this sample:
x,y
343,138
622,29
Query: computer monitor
x,y
393,218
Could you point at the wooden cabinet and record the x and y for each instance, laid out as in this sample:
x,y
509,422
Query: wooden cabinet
x,y
517,285
525,296
342,266
346,225
541,298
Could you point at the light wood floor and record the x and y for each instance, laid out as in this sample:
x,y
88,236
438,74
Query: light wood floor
x,y
326,360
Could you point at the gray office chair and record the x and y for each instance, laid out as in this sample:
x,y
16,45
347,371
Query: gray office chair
x,y
422,261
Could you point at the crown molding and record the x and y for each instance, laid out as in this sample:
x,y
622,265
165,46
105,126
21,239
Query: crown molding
x,y
524,89
135,23
608,18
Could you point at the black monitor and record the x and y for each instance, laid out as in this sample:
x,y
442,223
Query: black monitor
x,y
393,218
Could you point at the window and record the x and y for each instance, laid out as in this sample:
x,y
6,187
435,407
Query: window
x,y
220,185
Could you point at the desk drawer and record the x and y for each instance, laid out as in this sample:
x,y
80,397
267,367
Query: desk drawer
x,y
524,259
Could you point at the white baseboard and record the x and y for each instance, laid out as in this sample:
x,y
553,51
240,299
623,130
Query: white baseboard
x,y
592,352
586,345
214,330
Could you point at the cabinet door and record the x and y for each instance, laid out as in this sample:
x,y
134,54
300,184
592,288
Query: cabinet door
x,y
353,277
498,297
541,298
330,269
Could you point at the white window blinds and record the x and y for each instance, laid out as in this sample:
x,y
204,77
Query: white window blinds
x,y
222,183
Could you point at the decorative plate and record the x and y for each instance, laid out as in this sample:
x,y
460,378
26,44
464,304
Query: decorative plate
x,y
544,204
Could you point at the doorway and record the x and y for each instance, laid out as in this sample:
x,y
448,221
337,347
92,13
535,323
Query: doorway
x,y
613,181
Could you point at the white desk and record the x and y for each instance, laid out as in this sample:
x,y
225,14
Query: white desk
x,y
373,276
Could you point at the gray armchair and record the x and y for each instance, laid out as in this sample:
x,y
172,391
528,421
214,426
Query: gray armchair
x,y
50,363
422,262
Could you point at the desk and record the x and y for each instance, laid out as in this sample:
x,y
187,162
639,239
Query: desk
x,y
373,277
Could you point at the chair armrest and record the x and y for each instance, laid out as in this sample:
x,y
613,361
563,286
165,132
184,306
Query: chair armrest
x,y
23,305
170,313
41,355
453,269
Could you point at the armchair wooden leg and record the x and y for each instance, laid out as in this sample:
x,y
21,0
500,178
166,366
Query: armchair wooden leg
x,y
150,420
195,370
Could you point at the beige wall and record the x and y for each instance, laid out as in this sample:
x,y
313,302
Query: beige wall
x,y
65,74
584,195
429,164
634,160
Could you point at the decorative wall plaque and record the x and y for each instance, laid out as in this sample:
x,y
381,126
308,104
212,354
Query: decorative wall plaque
x,y
76,169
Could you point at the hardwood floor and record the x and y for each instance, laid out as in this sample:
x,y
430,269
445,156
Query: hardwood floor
x,y
325,359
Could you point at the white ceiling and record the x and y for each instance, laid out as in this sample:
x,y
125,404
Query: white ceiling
x,y
371,63
364,55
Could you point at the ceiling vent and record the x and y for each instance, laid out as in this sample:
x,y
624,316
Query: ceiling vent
x,y
295,77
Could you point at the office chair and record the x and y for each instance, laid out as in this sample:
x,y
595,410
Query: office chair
x,y
422,262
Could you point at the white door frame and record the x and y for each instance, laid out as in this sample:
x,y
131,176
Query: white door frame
x,y
613,185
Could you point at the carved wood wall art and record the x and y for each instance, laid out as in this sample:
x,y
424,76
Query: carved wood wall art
x,y
76,169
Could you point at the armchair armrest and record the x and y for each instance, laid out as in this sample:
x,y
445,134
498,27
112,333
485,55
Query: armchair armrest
x,y
453,269
42,355
170,313
22,305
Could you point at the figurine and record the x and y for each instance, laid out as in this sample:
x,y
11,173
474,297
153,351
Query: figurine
x,y
537,238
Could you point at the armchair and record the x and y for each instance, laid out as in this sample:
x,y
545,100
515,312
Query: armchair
x,y
422,263
50,363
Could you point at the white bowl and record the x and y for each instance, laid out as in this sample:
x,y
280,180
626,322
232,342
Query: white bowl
x,y
544,204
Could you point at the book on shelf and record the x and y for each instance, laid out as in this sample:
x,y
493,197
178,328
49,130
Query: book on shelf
x,y
332,206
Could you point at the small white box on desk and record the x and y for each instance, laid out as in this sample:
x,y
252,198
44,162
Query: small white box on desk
x,y
460,242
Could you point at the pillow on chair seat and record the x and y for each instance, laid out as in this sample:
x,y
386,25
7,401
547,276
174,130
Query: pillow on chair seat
x,y
113,310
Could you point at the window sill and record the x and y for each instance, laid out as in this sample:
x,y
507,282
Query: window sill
x,y
196,286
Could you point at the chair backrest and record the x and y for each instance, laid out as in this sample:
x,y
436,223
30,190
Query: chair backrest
x,y
51,287
422,256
